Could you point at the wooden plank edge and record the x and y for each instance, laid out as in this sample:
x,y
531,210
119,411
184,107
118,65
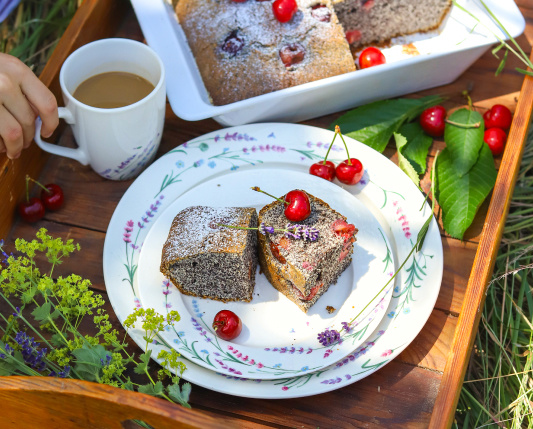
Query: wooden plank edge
x,y
91,405
93,20
467,324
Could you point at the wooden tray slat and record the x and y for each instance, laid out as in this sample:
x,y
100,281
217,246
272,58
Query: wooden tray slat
x,y
483,267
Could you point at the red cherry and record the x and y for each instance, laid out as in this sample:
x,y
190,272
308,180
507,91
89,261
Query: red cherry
x,y
298,207
495,138
324,169
498,117
353,36
432,121
53,199
350,171
227,325
371,57
32,210
284,10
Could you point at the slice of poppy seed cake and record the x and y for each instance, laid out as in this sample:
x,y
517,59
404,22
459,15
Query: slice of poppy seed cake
x,y
303,270
205,260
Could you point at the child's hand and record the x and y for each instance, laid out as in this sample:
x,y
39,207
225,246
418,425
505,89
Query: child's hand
x,y
23,97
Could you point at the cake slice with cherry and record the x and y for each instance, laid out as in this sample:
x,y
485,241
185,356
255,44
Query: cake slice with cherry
x,y
304,269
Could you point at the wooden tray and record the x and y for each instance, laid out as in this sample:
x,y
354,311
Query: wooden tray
x,y
420,388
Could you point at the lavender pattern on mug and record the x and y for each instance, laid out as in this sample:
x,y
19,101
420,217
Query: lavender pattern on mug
x,y
127,168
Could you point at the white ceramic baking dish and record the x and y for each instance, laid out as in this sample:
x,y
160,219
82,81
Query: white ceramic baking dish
x,y
442,56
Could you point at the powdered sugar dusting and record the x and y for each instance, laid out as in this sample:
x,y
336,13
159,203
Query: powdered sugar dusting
x,y
195,230
257,68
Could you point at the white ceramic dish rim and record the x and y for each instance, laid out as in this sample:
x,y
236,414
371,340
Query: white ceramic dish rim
x,y
188,96
407,313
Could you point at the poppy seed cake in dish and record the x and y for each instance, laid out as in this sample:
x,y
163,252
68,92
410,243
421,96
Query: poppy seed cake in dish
x,y
202,259
303,270
242,50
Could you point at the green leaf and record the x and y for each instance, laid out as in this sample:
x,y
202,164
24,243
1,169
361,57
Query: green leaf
x,y
501,66
461,195
203,147
89,361
57,340
417,147
128,385
403,162
42,312
142,367
374,123
464,143
181,396
152,389
422,233
28,295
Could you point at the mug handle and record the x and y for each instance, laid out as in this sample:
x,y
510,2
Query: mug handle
x,y
78,154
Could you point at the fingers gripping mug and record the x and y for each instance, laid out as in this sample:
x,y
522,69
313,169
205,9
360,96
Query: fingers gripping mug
x,y
116,142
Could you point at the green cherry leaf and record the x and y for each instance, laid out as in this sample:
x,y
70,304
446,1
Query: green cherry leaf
x,y
403,162
417,147
462,142
461,195
374,124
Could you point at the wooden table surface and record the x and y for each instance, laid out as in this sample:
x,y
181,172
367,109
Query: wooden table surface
x,y
401,394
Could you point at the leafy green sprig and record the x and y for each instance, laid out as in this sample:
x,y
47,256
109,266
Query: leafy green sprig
x,y
511,46
42,335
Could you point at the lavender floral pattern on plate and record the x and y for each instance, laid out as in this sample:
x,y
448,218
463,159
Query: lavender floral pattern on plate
x,y
382,185
356,293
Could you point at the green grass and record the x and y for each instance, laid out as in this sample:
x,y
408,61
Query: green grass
x,y
33,29
498,387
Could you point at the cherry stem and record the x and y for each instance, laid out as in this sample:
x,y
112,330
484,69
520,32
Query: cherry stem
x,y
248,228
38,183
330,146
258,189
338,131
467,96
27,189
457,124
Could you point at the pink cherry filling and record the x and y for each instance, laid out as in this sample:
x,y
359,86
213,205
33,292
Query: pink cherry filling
x,y
311,294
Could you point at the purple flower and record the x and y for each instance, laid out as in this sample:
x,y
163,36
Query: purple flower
x,y
6,7
346,326
328,337
263,229
5,256
32,355
297,231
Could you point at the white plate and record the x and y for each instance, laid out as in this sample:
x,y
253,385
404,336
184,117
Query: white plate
x,y
444,55
385,190
278,339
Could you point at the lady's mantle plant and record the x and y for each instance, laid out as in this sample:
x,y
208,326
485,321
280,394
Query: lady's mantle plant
x,y
39,331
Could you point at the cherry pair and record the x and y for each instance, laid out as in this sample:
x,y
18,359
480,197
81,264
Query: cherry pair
x,y
350,171
497,121
34,208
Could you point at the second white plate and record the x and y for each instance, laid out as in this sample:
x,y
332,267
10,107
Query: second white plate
x,y
278,339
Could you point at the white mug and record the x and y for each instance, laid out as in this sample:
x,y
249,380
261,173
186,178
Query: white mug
x,y
117,142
